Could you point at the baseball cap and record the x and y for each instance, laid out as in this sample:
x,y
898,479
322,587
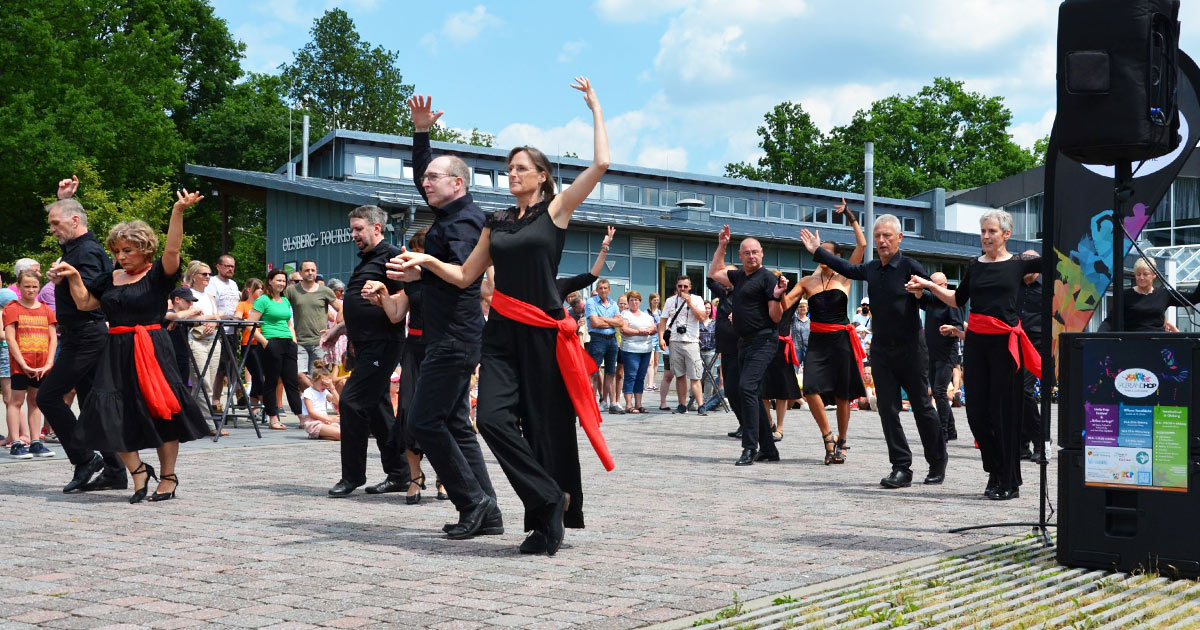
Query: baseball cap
x,y
865,301
183,293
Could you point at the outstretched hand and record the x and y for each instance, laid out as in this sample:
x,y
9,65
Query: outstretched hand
x,y
843,208
608,239
185,200
423,116
67,187
723,236
589,95
811,240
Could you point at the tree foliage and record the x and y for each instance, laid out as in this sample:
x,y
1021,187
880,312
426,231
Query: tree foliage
x,y
941,137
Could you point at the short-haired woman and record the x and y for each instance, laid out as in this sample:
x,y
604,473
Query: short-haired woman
x,y
278,340
638,334
1146,304
138,398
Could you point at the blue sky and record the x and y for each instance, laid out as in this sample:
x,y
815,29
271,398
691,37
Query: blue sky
x,y
685,83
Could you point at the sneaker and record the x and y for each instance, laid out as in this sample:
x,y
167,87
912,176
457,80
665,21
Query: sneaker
x,y
616,409
680,409
829,407
18,451
702,412
37,449
51,437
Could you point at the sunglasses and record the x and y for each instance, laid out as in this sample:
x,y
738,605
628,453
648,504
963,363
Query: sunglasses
x,y
206,274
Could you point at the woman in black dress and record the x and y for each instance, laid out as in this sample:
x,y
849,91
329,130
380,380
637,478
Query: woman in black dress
x,y
138,398
780,384
1146,304
832,366
992,285
525,412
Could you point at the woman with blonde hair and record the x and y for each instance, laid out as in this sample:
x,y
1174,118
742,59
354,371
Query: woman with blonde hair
x,y
138,399
202,337
1146,304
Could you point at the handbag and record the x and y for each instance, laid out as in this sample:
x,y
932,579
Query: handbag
x,y
670,324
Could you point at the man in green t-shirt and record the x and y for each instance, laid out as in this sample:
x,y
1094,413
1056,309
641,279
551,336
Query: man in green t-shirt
x,y
310,310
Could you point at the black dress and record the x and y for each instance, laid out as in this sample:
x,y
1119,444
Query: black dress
x,y
410,364
830,368
780,382
114,417
524,413
994,402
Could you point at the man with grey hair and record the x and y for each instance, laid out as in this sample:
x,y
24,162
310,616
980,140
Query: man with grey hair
x,y
84,335
897,346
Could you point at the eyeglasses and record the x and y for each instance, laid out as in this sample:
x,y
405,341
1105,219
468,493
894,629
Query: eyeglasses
x,y
520,170
433,177
225,265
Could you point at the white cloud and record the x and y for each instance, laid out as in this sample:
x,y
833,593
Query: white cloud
x,y
462,27
669,158
570,50
262,53
637,10
1027,133
286,11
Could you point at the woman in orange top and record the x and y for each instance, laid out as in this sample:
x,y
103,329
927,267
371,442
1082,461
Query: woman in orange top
x,y
250,347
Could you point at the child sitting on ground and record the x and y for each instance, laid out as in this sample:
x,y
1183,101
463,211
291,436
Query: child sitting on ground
x,y
319,402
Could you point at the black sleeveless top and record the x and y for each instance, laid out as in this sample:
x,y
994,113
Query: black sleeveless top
x,y
993,288
526,253
829,307
416,312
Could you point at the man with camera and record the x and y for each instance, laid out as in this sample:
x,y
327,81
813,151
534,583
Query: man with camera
x,y
679,333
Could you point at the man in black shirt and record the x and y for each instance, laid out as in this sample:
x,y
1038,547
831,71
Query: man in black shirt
x,y
366,404
1031,322
727,347
943,329
84,335
756,311
896,346
439,416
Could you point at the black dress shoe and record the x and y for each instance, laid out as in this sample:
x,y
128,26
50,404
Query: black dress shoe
x,y
83,473
747,458
555,530
1026,453
108,480
937,474
763,457
471,521
1004,494
898,479
388,485
535,542
735,434
992,486
342,488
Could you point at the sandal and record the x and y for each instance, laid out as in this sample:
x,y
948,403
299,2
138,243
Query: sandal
x,y
841,444
641,410
778,436
832,455
278,426
419,482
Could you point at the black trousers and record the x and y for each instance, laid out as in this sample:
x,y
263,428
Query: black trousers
x,y
755,354
892,367
366,409
79,354
993,405
254,365
940,374
440,421
528,420
279,362
227,354
1031,420
731,381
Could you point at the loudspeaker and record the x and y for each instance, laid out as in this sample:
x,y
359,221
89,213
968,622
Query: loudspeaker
x,y
1117,75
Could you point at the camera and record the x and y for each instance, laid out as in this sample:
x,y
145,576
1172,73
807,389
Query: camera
x,y
681,329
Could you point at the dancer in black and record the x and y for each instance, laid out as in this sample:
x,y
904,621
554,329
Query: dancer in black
x,y
897,347
780,385
1146,304
138,398
943,329
525,410
83,338
833,363
727,346
756,313
991,285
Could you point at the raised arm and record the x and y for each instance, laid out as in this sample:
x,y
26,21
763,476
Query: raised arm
x,y
598,266
716,269
812,242
423,117
791,297
170,257
460,276
563,205
860,239
67,187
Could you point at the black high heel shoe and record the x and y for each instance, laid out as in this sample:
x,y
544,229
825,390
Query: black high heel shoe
x,y
140,494
413,499
163,496
832,454
441,495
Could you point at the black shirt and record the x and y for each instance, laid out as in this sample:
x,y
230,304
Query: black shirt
x,y
1031,307
727,337
86,255
1146,313
450,311
752,296
993,288
567,286
894,307
937,314
365,321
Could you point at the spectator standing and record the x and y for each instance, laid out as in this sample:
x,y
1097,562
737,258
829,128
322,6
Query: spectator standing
x,y
604,318
679,331
278,341
708,355
224,291
29,329
203,337
637,338
943,329
249,343
310,307
655,311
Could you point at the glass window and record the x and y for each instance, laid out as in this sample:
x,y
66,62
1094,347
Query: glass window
x,y
757,208
910,224
612,192
721,205
391,167
775,210
741,206
408,169
669,197
596,193
791,211
483,178
820,215
1033,223
651,197
707,200
631,194
806,213
364,165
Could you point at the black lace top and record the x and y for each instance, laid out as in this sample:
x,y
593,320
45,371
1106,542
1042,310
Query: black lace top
x,y
526,253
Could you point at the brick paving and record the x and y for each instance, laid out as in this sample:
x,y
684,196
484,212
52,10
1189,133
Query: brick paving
x,y
253,542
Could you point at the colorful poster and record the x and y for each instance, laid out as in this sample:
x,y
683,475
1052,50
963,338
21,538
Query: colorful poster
x,y
1137,426
1118,465
1170,447
1101,424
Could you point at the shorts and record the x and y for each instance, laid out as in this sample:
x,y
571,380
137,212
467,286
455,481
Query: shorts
x,y
20,382
603,349
687,362
307,357
4,368
312,428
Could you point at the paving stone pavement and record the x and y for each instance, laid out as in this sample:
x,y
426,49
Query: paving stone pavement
x,y
253,542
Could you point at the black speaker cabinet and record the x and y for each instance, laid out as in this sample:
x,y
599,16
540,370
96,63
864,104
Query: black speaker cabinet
x,y
1117,74
1126,529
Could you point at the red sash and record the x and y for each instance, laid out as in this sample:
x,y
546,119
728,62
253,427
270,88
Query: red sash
x,y
789,350
415,332
576,366
1019,345
855,343
160,400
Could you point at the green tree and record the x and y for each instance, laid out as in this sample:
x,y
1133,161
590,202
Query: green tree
x,y
794,149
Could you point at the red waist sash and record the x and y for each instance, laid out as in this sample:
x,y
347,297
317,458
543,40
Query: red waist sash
x,y
415,332
1019,345
576,366
160,400
789,350
852,333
